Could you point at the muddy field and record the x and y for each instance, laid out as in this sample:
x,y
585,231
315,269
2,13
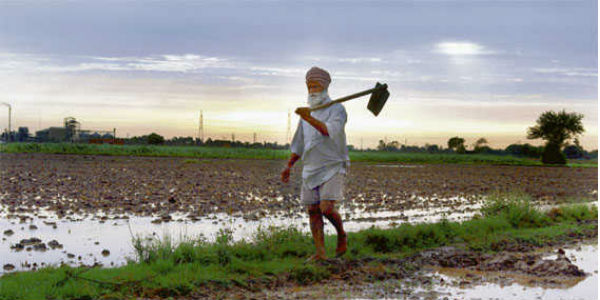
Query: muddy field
x,y
73,184
84,210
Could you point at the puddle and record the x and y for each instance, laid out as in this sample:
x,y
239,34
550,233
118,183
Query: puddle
x,y
84,237
584,256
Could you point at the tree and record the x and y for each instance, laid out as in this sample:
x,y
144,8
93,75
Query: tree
x,y
457,144
575,150
572,151
480,146
391,146
525,150
556,129
155,139
480,143
432,148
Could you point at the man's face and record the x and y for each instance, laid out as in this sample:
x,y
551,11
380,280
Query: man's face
x,y
314,87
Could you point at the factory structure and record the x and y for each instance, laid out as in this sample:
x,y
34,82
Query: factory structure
x,y
72,132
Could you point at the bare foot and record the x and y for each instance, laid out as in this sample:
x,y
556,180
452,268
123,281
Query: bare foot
x,y
342,245
315,258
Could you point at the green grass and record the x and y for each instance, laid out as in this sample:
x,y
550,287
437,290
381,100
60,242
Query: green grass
x,y
144,150
195,153
163,269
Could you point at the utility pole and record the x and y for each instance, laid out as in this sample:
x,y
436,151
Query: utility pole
x,y
254,139
201,127
9,116
361,144
232,137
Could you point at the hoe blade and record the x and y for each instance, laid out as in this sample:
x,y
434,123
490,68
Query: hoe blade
x,y
378,98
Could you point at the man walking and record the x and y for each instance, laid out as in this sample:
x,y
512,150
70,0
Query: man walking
x,y
320,141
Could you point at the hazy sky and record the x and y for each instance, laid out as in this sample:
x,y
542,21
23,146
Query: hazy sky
x,y
467,68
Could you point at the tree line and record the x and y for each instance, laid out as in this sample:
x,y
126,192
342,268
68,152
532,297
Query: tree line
x,y
560,130
156,139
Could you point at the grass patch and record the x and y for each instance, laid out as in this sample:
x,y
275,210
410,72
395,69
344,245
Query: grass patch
x,y
164,269
195,153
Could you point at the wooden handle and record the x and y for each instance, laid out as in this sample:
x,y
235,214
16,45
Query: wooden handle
x,y
349,97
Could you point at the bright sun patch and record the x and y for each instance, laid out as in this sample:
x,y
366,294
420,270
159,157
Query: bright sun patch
x,y
459,48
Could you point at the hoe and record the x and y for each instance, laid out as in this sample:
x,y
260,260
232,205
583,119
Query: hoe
x,y
379,94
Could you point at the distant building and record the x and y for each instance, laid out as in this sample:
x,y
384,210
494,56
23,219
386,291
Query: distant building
x,y
71,132
23,134
52,134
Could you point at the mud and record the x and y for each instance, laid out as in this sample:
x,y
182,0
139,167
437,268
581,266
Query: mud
x,y
412,277
83,184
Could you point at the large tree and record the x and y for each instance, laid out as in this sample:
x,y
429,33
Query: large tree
x,y
556,128
457,144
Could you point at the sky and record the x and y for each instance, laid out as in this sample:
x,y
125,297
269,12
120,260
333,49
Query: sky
x,y
454,68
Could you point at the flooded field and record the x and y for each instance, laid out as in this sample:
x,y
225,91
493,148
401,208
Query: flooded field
x,y
85,210
82,239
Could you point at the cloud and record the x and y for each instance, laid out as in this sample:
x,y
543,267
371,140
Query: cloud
x,y
337,59
460,48
355,60
277,71
580,72
160,63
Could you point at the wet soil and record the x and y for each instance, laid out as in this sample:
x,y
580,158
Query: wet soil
x,y
166,190
411,277
82,184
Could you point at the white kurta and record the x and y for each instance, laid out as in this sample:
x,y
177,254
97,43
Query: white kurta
x,y
322,156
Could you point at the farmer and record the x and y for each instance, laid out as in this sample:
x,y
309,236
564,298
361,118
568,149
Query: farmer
x,y
320,140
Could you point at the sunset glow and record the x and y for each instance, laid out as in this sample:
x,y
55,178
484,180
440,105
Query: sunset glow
x,y
155,70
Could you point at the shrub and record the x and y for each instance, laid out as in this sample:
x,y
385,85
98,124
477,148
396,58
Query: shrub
x,y
155,139
516,208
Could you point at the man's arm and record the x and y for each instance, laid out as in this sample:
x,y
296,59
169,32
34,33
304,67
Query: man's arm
x,y
293,159
297,148
304,113
285,175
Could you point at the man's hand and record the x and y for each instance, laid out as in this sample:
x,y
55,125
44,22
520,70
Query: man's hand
x,y
303,112
285,175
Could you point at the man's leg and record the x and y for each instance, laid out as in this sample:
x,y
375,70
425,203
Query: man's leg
x,y
327,208
310,197
316,227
